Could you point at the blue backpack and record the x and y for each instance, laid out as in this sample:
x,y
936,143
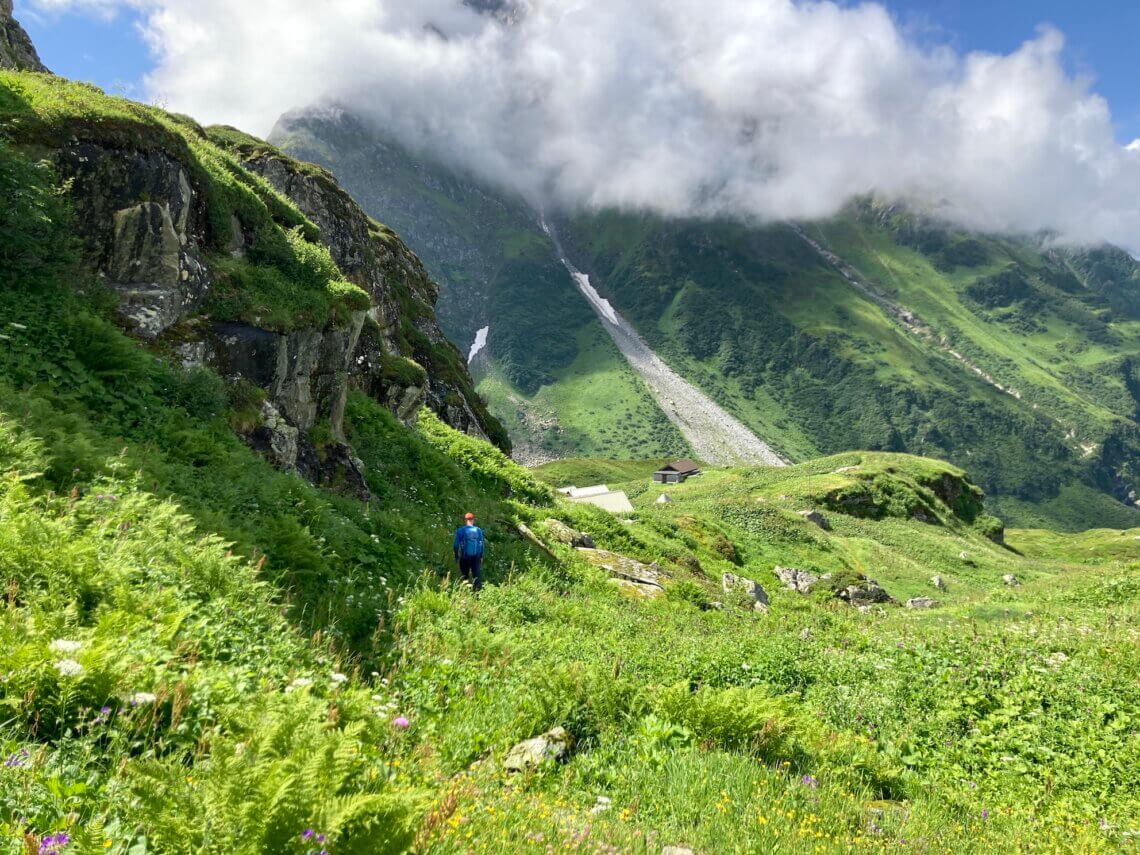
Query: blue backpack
x,y
472,542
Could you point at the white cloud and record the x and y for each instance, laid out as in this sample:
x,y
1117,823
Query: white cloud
x,y
765,108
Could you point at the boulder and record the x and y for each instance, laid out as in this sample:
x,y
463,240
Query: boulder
x,y
922,603
730,582
551,747
800,581
1011,580
664,499
938,583
562,533
866,593
622,567
817,518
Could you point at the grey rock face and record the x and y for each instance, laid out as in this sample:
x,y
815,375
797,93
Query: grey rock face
x,y
646,576
922,603
16,49
562,533
281,438
730,582
867,593
142,224
380,264
552,746
813,516
800,581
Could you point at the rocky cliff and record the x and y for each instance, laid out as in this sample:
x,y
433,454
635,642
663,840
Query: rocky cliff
x,y
16,49
220,251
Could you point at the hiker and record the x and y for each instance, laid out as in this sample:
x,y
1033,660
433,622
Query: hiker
x,y
468,549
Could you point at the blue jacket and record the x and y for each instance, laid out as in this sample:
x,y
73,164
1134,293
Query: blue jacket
x,y
468,542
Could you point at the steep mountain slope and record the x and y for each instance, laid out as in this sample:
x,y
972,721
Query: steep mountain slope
x,y
885,331
549,370
877,329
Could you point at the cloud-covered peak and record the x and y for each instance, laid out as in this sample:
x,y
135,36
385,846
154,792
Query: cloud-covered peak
x,y
763,109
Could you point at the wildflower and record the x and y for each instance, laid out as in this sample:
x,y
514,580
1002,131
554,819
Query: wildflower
x,y
985,814
308,834
401,723
65,646
809,781
17,760
338,678
298,683
69,668
141,699
51,844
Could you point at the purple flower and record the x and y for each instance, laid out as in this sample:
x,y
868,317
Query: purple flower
x,y
51,844
307,834
320,838
18,759
985,813
809,781
401,723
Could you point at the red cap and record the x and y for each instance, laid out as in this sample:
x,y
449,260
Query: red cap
x,y
469,517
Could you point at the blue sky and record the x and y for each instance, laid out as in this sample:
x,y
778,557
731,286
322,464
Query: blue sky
x,y
1101,41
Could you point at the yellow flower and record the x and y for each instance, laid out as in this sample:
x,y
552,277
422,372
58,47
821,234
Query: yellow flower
x,y
107,843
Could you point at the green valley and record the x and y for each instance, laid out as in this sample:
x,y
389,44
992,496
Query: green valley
x,y
236,442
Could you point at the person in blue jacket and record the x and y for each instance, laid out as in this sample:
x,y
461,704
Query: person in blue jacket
x,y
468,548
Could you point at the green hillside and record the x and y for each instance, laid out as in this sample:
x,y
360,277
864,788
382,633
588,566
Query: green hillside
x,y
1018,362
1012,362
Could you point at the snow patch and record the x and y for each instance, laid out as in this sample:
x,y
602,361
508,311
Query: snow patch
x,y
479,343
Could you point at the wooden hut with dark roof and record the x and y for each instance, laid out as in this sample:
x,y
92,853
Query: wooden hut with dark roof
x,y
677,472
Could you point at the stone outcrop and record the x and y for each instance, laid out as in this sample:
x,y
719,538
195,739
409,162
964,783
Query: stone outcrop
x,y
1010,580
149,230
815,517
16,49
551,747
922,603
142,223
799,581
563,534
867,592
938,582
626,571
756,596
378,261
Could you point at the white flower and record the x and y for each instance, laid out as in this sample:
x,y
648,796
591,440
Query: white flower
x,y
338,677
299,683
63,645
69,668
1056,660
141,699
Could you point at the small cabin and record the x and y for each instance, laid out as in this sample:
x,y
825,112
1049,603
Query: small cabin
x,y
676,472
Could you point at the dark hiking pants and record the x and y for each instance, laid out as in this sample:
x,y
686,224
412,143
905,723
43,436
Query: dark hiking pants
x,y
472,570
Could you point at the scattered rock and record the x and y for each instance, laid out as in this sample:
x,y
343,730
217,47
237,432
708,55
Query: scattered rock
x,y
800,581
533,538
1011,580
730,582
677,850
649,592
621,567
922,603
664,499
817,518
562,533
967,559
866,593
714,606
938,583
552,746
805,634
